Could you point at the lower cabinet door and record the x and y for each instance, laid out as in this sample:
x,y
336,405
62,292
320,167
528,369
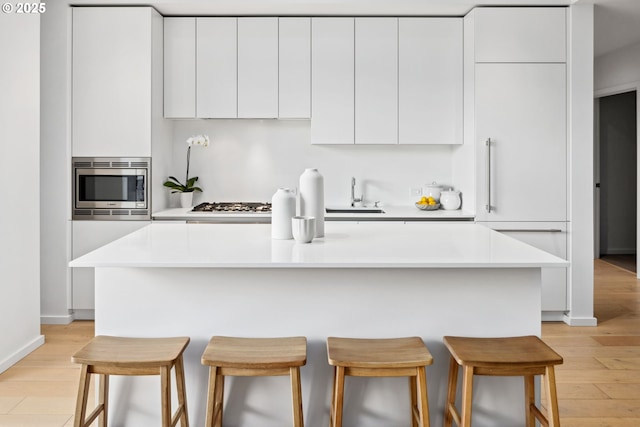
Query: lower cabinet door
x,y
88,236
550,237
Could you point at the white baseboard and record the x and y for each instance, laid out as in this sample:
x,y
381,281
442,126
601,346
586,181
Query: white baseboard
x,y
84,314
56,320
580,321
18,355
553,316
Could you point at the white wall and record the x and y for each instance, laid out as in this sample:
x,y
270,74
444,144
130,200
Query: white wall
x,y
250,159
19,212
55,164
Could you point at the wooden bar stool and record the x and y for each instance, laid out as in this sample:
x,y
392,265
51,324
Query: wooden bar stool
x,y
106,355
515,356
251,357
390,357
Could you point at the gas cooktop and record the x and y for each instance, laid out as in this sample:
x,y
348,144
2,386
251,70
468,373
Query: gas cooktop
x,y
233,207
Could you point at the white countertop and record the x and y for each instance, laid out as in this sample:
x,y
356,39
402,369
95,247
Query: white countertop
x,y
392,213
345,245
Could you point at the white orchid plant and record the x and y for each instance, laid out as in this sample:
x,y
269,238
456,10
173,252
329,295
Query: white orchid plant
x,y
189,183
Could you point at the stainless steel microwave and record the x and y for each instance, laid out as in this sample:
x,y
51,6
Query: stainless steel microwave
x,y
111,188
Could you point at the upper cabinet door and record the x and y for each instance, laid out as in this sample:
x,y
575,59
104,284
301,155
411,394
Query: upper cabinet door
x,y
112,64
376,80
258,67
294,75
179,67
430,81
217,71
332,80
526,34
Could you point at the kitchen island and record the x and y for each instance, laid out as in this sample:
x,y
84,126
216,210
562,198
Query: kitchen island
x,y
360,280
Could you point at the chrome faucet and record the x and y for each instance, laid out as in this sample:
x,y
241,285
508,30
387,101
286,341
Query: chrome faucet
x,y
353,197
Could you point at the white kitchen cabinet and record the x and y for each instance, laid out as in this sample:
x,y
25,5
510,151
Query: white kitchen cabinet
x,y
257,67
179,67
87,236
376,80
521,109
549,237
112,81
520,34
430,81
294,65
217,68
332,83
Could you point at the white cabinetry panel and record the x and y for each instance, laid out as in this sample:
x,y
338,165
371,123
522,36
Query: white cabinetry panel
x,y
111,101
332,84
86,237
430,80
258,67
549,237
376,80
294,76
179,67
217,71
522,109
522,34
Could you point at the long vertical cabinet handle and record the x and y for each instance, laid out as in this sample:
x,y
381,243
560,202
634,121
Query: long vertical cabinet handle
x,y
487,206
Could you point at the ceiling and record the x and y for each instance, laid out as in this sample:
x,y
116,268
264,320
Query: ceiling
x,y
617,22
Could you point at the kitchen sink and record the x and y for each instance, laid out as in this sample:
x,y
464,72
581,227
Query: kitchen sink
x,y
355,210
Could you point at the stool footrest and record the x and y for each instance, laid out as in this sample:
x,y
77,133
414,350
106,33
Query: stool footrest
x,y
91,418
177,415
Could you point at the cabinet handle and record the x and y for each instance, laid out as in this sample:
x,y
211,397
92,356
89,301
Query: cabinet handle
x,y
487,206
528,230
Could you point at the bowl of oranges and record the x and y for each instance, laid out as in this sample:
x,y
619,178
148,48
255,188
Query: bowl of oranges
x,y
427,204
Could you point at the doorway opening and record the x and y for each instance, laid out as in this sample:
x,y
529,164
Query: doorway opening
x,y
616,175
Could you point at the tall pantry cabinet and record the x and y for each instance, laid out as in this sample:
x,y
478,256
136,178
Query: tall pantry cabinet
x,y
116,112
517,60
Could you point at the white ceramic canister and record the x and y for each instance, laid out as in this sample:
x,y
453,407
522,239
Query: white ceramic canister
x,y
433,190
450,200
283,208
312,198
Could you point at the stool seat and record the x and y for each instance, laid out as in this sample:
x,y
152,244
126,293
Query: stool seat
x,y
132,353
497,352
236,356
524,356
251,353
380,357
109,355
378,353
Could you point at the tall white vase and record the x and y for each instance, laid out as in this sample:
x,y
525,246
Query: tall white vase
x,y
283,208
312,198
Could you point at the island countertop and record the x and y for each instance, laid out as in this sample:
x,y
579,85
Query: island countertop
x,y
345,245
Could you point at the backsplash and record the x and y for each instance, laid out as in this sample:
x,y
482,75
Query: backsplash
x,y
248,160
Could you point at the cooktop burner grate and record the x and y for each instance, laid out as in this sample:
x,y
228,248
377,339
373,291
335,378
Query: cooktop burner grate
x,y
240,207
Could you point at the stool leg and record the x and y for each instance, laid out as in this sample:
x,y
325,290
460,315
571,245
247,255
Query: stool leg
x,y
451,392
424,398
165,393
296,391
413,390
552,396
338,397
103,400
467,393
83,394
182,395
529,401
219,399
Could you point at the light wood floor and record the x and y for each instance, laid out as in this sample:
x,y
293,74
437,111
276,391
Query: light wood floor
x,y
598,385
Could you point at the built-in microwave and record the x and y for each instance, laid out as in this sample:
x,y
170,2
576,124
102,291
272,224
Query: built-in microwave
x,y
111,188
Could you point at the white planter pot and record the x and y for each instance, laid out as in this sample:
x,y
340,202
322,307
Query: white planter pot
x,y
186,200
